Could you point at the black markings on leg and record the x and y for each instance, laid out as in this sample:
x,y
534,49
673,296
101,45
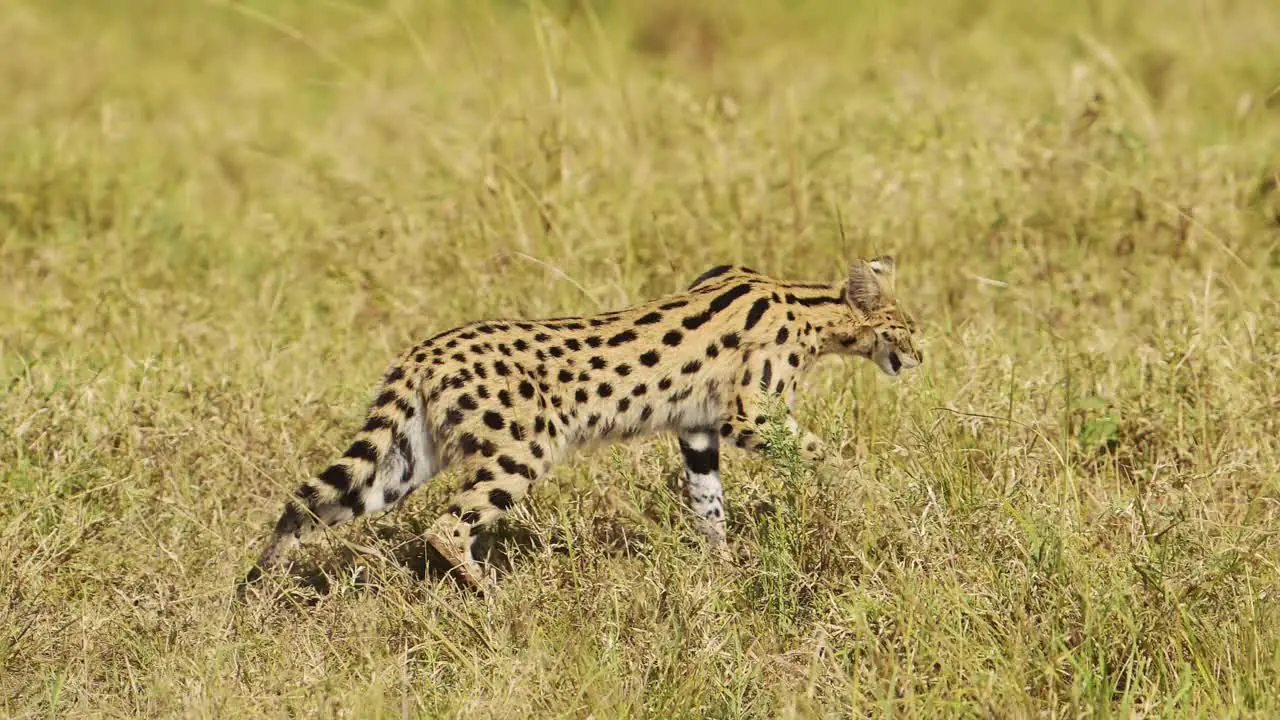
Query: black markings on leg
x,y
501,499
701,452
700,462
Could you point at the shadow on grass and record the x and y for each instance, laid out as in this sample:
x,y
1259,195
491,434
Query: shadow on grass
x,y
392,550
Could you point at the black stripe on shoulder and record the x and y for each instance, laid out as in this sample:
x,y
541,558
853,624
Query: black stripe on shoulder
x,y
711,274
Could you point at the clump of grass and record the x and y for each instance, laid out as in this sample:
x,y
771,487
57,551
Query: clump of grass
x,y
780,582
218,222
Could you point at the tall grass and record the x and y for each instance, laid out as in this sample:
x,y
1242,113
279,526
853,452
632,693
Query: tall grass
x,y
219,221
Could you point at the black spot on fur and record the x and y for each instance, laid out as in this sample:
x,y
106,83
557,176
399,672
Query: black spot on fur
x,y
493,420
604,390
639,390
514,467
649,358
691,367
337,477
766,375
822,300
598,363
783,334
353,500
793,360
452,416
756,312
482,475
535,449
500,499
624,404
466,402
386,398
375,422
504,397
673,305
581,395
526,390
714,272
623,370
469,444
700,462
565,376
672,338
664,384
717,305
594,341
390,495
649,318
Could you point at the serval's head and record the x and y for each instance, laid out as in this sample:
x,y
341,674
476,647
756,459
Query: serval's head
x,y
879,329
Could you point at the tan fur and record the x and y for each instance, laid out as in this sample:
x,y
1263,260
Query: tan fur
x,y
503,401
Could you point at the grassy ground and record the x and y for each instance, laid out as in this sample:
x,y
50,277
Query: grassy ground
x,y
219,221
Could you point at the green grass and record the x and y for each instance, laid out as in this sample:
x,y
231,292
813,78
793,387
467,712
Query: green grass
x,y
219,221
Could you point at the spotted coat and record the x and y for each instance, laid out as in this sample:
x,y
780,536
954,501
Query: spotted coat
x,y
502,401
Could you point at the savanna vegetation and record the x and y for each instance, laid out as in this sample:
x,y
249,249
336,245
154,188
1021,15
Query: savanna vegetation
x,y
219,221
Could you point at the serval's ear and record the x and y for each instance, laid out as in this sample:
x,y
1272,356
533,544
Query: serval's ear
x,y
863,290
884,267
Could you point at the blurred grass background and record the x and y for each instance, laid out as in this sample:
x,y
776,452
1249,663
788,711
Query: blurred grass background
x,y
220,220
